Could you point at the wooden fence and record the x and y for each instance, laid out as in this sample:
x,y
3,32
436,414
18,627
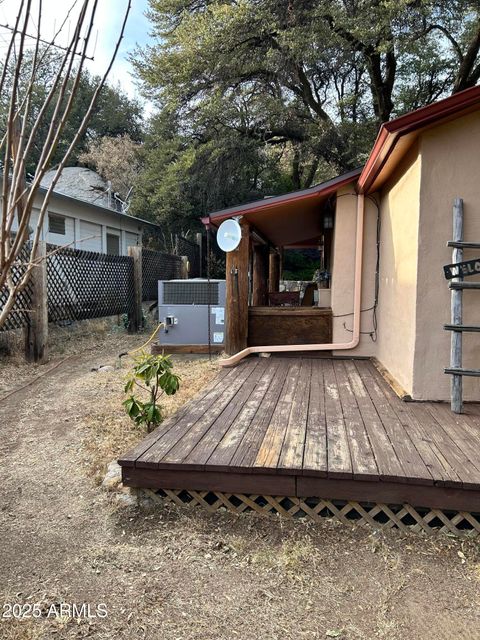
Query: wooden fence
x,y
72,284
84,284
159,266
194,252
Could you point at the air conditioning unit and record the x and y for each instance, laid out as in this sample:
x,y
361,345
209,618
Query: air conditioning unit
x,y
183,308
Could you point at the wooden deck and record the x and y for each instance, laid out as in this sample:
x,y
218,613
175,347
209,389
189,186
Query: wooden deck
x,y
331,428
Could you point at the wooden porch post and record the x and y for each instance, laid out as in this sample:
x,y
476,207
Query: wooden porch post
x,y
236,305
274,272
280,264
260,275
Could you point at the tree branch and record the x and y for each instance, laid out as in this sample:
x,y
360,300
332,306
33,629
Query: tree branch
x,y
15,155
448,35
467,74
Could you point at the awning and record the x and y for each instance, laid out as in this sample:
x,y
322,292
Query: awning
x,y
290,220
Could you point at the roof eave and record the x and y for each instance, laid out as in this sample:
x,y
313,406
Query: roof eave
x,y
459,104
99,207
322,190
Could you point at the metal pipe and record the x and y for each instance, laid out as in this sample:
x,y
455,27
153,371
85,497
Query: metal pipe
x,y
357,299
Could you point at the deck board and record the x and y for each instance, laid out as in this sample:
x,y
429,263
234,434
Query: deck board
x,y
363,458
232,414
291,456
331,426
246,454
219,410
338,447
229,444
419,424
457,450
389,466
141,449
315,449
414,468
180,424
270,449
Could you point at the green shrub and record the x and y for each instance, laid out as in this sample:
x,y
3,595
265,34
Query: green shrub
x,y
153,374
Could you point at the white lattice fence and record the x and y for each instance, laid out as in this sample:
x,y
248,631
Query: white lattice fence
x,y
374,515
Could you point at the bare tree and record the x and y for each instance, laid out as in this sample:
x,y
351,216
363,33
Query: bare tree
x,y
117,160
17,196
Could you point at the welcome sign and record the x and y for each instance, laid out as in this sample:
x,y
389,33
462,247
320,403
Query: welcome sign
x,y
462,269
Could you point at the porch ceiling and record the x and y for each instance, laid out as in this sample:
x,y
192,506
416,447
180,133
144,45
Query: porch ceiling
x,y
290,220
290,223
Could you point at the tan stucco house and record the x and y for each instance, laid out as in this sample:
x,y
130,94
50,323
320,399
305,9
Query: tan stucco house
x,y
392,220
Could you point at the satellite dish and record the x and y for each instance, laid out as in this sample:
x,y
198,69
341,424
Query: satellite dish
x,y
229,235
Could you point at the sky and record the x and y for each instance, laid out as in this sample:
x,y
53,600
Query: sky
x,y
108,22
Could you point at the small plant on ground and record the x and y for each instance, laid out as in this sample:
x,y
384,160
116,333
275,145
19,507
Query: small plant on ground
x,y
126,320
154,375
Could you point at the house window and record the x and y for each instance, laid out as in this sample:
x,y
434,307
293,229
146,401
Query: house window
x,y
113,244
131,239
56,224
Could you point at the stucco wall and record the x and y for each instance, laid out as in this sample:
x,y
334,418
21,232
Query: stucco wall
x,y
450,169
414,298
400,206
343,271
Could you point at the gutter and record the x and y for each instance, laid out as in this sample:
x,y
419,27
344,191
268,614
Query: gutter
x,y
454,106
233,360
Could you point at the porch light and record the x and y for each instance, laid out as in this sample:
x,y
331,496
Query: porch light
x,y
328,221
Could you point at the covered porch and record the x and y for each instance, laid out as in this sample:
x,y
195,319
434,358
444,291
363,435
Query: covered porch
x,y
257,313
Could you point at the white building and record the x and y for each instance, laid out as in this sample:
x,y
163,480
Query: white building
x,y
83,215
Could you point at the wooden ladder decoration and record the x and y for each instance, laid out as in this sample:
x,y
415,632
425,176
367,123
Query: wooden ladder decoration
x,y
457,286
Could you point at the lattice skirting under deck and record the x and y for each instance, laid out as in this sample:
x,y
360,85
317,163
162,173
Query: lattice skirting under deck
x,y
374,515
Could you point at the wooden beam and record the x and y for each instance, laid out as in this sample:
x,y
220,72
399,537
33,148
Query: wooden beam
x,y
456,312
36,332
258,483
274,272
259,237
434,497
289,325
236,304
199,241
260,275
158,349
135,323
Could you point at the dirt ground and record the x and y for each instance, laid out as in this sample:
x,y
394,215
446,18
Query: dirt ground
x,y
180,574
